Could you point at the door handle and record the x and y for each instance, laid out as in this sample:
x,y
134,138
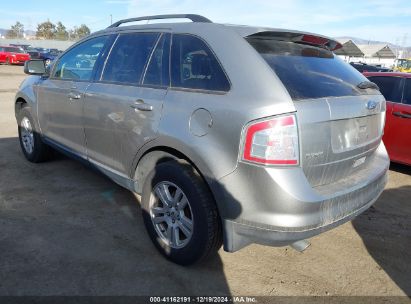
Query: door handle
x,y
73,95
402,115
139,105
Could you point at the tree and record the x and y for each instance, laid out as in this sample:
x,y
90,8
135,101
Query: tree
x,y
16,31
82,31
46,30
61,32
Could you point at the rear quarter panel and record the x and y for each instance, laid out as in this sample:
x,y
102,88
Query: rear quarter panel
x,y
255,93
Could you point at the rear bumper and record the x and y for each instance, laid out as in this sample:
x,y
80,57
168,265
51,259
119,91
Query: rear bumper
x,y
285,208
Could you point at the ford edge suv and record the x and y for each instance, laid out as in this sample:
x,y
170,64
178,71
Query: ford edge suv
x,y
231,134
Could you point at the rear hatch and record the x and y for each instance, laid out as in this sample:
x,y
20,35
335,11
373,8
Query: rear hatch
x,y
340,114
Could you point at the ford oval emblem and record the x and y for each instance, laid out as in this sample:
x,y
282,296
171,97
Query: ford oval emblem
x,y
371,105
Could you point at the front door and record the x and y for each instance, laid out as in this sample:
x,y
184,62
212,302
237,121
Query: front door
x,y
401,121
60,106
61,97
392,89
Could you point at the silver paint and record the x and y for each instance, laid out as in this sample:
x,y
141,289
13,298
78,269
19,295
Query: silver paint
x,y
109,126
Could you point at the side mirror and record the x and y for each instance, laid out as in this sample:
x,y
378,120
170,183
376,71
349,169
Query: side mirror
x,y
35,67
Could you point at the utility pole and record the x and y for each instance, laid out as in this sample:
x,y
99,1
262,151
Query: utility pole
x,y
111,19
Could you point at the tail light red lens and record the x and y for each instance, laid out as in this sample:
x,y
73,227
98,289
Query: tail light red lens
x,y
272,142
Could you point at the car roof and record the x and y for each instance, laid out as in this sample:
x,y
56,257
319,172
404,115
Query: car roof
x,y
388,74
193,27
243,30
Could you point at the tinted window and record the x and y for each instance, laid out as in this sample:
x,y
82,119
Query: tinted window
x,y
158,69
14,50
78,63
389,87
309,72
407,92
194,66
129,57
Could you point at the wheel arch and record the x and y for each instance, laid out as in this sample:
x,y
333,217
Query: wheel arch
x,y
19,104
157,154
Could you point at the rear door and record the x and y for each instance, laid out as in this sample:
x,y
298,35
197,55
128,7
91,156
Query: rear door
x,y
123,107
392,89
401,118
61,97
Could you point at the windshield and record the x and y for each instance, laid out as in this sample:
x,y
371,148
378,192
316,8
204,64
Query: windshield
x,y
309,72
404,64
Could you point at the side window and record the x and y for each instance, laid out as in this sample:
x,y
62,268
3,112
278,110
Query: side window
x,y
157,72
78,63
194,66
128,57
407,92
390,87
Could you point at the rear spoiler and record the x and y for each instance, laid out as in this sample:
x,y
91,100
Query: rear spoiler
x,y
298,37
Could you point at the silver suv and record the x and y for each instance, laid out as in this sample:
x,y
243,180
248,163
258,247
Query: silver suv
x,y
232,134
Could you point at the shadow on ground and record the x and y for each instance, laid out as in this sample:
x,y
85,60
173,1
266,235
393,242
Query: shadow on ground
x,y
385,229
67,230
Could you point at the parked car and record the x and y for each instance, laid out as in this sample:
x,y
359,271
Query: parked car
x,y
13,55
48,55
25,47
34,53
231,134
363,67
396,88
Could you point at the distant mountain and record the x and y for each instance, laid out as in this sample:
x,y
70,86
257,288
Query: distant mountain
x,y
357,40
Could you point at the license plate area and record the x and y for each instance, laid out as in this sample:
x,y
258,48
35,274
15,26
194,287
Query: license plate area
x,y
353,133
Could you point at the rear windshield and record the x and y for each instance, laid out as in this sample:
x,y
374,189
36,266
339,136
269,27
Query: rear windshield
x,y
309,72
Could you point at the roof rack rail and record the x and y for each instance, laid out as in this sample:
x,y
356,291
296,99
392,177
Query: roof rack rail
x,y
192,17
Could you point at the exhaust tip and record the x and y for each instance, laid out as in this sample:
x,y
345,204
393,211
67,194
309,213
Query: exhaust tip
x,y
300,246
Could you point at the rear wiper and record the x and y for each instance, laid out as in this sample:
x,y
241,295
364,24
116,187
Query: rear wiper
x,y
368,85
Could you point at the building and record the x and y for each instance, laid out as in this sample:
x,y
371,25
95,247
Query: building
x,y
375,54
350,51
381,54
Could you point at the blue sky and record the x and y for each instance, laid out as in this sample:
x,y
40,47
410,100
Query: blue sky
x,y
384,20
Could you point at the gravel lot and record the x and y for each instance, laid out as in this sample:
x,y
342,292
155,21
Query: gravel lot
x,y
67,230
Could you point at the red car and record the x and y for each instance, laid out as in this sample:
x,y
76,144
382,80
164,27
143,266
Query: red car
x,y
396,88
13,55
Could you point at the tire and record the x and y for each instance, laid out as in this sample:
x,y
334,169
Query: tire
x,y
200,209
34,149
8,61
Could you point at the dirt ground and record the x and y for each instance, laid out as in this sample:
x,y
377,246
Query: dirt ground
x,y
67,230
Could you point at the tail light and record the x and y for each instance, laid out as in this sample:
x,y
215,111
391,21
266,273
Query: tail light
x,y
272,142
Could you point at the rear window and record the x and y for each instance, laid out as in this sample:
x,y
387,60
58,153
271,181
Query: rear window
x,y
14,50
309,72
194,66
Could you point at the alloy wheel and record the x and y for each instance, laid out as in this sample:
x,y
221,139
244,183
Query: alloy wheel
x,y
27,135
171,215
